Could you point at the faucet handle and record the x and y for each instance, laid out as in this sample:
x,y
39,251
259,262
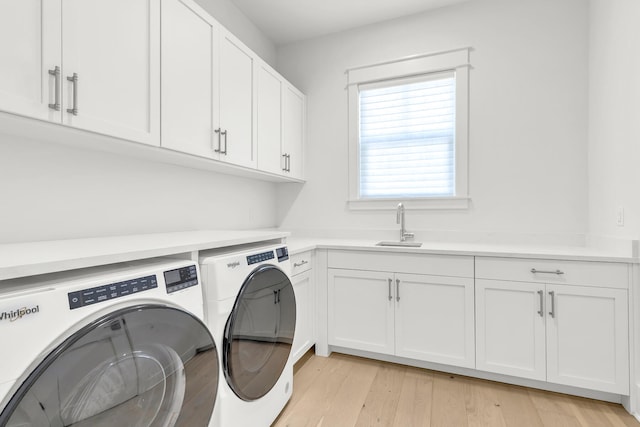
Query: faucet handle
x,y
409,236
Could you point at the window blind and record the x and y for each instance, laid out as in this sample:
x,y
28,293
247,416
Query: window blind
x,y
407,137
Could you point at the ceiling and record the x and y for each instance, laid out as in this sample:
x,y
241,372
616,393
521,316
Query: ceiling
x,y
287,21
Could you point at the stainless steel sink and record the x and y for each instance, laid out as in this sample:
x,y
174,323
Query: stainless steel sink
x,y
398,243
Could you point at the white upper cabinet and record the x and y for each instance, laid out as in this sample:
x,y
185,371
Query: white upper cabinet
x,y
207,87
281,124
293,131
91,65
236,83
30,46
112,47
188,92
269,134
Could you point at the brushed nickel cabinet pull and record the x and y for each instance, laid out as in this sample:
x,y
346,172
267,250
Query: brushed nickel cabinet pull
x,y
74,81
390,297
217,131
558,272
541,295
552,313
397,289
56,74
225,133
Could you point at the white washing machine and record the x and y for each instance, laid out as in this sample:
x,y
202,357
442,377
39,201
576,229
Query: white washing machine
x,y
250,307
120,345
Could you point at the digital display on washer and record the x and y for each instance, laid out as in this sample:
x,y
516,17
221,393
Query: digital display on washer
x,y
180,278
111,291
283,254
264,256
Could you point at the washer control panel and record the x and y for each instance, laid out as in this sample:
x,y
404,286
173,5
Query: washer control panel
x,y
181,278
111,291
261,257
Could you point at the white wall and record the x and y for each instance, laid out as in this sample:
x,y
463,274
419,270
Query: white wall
x,y
51,191
614,117
528,117
228,14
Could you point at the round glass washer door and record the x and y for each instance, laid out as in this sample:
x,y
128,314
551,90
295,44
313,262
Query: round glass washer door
x,y
259,333
141,366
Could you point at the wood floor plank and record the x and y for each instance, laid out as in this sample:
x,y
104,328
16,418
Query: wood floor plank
x,y
618,416
414,406
352,394
380,406
448,406
554,409
482,404
314,404
590,413
517,407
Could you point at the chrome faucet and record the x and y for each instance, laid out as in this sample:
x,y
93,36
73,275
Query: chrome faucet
x,y
400,220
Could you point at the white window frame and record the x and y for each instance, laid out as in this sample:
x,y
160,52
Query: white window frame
x,y
454,60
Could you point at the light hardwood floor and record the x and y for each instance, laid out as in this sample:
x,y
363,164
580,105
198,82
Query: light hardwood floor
x,y
346,391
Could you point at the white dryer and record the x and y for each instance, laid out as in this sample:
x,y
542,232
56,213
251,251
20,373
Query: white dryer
x,y
250,307
121,345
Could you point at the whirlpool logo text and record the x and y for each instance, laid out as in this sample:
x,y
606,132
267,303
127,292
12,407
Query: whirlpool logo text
x,y
19,313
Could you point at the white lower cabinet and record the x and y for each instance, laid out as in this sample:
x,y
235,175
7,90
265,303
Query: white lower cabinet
x,y
304,289
423,317
587,338
556,332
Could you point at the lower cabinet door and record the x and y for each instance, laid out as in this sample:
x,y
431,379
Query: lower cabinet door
x,y
435,319
587,338
360,310
303,339
510,328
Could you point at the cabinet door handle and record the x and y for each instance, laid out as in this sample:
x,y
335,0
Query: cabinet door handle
x,y
288,162
558,272
218,131
225,133
303,262
541,295
552,313
390,297
74,81
56,74
284,157
397,289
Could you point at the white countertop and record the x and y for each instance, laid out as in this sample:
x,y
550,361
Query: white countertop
x,y
27,259
575,253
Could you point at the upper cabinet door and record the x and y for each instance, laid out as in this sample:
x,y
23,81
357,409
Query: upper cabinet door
x,y
236,101
293,123
112,48
30,46
188,89
269,133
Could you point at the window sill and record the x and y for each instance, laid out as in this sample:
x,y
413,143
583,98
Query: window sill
x,y
435,203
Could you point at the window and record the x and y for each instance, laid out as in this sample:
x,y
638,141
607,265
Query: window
x,y
408,132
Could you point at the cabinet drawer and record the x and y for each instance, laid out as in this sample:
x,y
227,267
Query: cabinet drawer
x,y
437,265
301,262
603,274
